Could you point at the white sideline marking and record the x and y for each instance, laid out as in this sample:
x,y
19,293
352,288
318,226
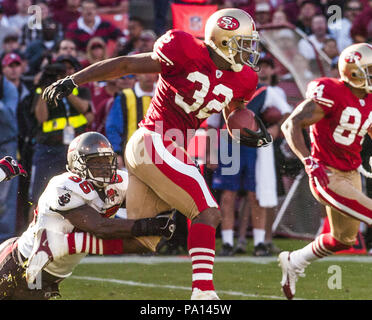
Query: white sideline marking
x,y
152,285
183,259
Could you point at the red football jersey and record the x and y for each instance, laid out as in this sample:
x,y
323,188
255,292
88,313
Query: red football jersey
x,y
190,87
337,139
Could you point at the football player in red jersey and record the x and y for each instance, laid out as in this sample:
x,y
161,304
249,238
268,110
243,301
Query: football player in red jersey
x,y
197,78
339,113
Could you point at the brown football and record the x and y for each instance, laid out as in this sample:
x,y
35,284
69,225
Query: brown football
x,y
271,115
239,119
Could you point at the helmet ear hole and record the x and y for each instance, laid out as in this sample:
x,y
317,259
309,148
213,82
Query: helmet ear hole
x,y
224,43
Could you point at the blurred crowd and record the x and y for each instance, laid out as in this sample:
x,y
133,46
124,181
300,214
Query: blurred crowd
x,y
45,40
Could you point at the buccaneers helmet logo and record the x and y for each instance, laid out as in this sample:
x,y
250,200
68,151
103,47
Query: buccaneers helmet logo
x,y
228,23
353,57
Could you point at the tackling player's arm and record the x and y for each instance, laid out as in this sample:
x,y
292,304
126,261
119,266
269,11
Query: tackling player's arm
x,y
89,220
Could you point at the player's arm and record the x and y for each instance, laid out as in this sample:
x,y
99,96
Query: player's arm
x,y
116,67
88,219
108,69
306,114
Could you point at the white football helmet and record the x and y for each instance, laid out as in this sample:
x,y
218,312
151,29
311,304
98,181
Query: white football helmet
x,y
353,65
230,32
91,145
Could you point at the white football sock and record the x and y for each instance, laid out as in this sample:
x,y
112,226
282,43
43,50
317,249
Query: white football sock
x,y
303,257
258,236
228,236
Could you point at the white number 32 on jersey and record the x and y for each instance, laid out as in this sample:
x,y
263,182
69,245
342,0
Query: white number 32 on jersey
x,y
199,96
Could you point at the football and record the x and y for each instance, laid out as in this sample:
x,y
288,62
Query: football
x,y
271,115
239,119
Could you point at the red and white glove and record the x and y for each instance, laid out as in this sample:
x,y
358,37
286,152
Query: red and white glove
x,y
316,170
11,168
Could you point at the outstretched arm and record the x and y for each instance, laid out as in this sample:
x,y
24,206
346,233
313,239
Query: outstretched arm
x,y
88,219
116,67
103,70
85,218
101,236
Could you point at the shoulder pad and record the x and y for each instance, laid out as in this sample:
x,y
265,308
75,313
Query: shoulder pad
x,y
60,195
322,91
82,187
122,179
173,47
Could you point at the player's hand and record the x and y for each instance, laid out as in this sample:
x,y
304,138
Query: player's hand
x,y
162,225
167,225
59,89
316,170
11,168
258,138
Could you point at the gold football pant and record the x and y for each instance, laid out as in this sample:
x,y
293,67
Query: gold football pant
x,y
162,176
345,203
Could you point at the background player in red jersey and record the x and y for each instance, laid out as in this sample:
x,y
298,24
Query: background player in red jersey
x,y
339,113
196,79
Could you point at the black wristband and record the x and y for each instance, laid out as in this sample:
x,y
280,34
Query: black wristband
x,y
144,227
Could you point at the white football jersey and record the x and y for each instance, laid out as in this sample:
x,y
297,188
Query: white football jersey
x,y
65,192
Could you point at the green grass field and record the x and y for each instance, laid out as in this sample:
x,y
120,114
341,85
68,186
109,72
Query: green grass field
x,y
241,277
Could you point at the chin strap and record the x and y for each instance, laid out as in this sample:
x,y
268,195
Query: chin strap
x,y
236,67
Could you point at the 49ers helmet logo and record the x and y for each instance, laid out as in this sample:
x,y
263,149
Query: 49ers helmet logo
x,y
228,23
353,57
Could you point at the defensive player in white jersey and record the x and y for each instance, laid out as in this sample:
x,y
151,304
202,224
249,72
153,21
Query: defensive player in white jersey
x,y
83,198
